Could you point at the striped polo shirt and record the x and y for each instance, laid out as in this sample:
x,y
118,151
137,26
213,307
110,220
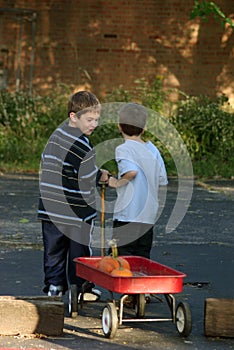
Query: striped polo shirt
x,y
68,178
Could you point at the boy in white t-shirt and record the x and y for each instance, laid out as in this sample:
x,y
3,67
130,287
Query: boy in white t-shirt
x,y
140,172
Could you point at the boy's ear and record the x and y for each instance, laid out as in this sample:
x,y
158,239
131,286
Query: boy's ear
x,y
72,116
120,129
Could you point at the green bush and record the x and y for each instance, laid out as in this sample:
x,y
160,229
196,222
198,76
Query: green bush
x,y
152,96
207,130
26,122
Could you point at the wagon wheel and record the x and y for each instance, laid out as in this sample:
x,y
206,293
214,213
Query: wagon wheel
x,y
183,319
109,320
73,301
140,305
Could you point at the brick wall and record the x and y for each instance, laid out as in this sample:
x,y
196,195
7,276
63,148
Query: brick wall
x,y
101,44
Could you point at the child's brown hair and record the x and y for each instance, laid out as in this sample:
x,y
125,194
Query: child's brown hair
x,y
81,101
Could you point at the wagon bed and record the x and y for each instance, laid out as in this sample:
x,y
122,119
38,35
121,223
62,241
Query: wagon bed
x,y
149,277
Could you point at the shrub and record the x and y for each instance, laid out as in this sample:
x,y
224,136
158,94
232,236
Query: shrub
x,y
207,130
205,126
26,122
152,96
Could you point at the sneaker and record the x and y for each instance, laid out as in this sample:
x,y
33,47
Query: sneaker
x,y
91,295
55,291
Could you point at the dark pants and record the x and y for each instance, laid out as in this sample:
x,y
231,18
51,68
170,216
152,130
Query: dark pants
x,y
59,252
133,238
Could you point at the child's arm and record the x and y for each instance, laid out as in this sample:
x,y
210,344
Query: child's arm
x,y
123,181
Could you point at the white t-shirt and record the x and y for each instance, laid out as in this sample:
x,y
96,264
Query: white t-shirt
x,y
138,200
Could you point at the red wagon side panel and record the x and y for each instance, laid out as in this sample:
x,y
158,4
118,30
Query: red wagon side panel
x,y
148,276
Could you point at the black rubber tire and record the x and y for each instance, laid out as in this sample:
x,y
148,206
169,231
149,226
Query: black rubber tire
x,y
73,301
109,320
140,305
183,319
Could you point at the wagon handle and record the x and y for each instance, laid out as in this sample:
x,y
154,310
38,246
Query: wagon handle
x,y
103,189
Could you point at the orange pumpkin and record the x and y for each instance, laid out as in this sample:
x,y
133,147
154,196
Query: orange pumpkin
x,y
123,263
114,264
121,272
108,264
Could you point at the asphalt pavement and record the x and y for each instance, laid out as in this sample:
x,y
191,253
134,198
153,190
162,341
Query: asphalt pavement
x,y
201,247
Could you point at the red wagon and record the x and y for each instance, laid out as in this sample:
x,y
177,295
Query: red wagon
x,y
149,277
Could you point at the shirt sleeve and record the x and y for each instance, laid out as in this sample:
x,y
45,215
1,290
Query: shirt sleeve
x,y
124,164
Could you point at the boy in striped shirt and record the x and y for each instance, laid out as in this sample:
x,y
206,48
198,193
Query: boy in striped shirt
x,y
68,179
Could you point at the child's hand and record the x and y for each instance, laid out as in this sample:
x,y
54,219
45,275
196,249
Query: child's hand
x,y
113,182
105,176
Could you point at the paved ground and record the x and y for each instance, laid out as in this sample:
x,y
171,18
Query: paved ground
x,y
201,246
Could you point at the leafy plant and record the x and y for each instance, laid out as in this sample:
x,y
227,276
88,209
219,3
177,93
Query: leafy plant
x,y
26,122
204,8
206,129
119,95
152,95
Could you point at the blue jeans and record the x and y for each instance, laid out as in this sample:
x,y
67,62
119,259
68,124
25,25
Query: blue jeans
x,y
60,248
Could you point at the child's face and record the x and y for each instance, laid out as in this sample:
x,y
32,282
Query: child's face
x,y
86,122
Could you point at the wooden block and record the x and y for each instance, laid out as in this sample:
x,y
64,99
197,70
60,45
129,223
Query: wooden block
x,y
30,315
219,318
